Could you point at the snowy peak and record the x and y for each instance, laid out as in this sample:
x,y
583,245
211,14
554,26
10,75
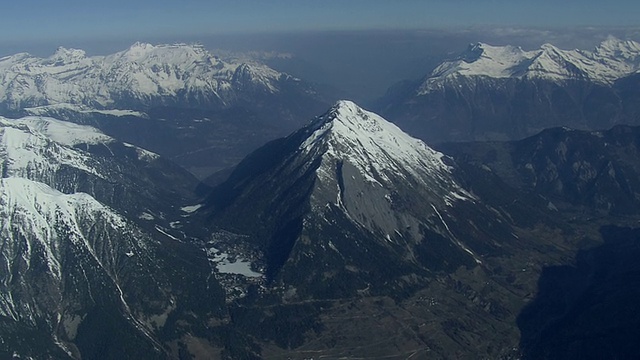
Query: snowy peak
x,y
613,47
349,172
166,54
379,151
494,61
611,60
348,128
347,117
68,55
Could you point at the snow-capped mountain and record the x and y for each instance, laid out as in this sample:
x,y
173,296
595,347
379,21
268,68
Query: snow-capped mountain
x,y
352,190
84,224
140,77
610,61
77,158
504,92
64,254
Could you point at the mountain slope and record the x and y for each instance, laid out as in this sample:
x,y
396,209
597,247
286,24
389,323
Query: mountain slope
x,y
89,267
594,170
502,93
63,252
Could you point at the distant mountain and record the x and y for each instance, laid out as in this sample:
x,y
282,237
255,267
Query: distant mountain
x,y
89,267
504,92
138,78
178,100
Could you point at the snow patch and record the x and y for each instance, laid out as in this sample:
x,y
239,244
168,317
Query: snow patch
x,y
146,216
191,208
81,109
36,148
225,265
161,231
65,132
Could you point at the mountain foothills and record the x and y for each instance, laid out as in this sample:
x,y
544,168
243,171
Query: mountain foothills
x,y
507,93
178,100
346,238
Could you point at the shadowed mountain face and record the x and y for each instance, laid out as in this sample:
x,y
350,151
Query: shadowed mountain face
x,y
597,171
588,310
356,192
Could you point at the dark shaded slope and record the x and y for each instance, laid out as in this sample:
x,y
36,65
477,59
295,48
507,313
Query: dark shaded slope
x,y
597,171
588,310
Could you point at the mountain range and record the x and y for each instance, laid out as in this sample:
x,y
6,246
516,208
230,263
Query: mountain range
x,y
138,78
346,238
507,93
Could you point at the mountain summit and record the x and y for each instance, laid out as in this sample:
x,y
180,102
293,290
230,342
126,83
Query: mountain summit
x,y
375,148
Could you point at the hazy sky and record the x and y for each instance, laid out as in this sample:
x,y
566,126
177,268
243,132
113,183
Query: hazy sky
x,y
44,20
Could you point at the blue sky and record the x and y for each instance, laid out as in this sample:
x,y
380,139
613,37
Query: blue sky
x,y
29,20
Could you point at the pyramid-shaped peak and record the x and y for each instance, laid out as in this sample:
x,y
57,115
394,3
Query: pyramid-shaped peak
x,y
347,122
370,143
